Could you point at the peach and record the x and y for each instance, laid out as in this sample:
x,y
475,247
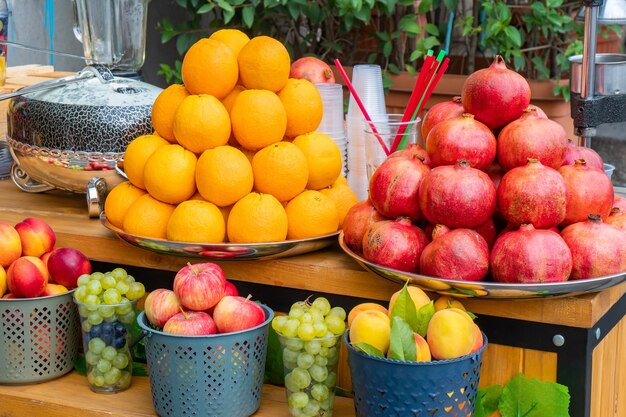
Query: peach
x,y
36,235
8,296
10,244
445,301
3,281
450,334
419,297
372,327
27,277
479,339
363,307
422,349
53,289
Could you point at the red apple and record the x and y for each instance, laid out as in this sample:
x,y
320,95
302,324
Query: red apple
x,y
234,313
160,305
200,286
312,69
10,244
230,289
65,265
191,323
27,277
53,289
36,235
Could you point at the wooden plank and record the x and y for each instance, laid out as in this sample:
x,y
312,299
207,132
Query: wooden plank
x,y
608,378
30,69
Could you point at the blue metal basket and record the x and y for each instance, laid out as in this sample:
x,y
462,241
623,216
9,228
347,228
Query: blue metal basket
x,y
210,376
388,388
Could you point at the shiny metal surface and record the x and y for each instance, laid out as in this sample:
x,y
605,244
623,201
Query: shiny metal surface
x,y
487,290
610,74
611,12
225,251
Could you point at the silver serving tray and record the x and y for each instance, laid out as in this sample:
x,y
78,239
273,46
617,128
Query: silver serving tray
x,y
225,251
488,290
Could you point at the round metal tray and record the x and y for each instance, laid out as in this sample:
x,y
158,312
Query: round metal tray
x,y
225,251
485,289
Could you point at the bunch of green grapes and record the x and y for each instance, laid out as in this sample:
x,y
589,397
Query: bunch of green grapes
x,y
311,334
106,309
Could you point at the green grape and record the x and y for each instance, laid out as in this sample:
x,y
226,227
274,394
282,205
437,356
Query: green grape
x,y
327,404
312,346
278,323
306,318
320,329
123,307
119,274
305,360
320,392
301,377
298,400
120,361
294,344
91,378
94,318
323,352
311,409
112,376
111,296
106,311
83,280
331,380
290,356
91,358
296,312
306,332
321,361
94,287
124,381
335,324
136,291
99,381
322,304
333,356
86,326
108,281
96,345
316,315
290,384
296,412
122,287
103,365
339,312
291,328
83,311
130,279
80,294
109,353
318,373
92,302
127,318
97,276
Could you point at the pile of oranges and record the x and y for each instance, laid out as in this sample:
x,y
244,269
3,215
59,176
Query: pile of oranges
x,y
235,156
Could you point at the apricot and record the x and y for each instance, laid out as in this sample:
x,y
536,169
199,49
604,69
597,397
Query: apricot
x,y
479,339
419,297
422,349
445,301
451,334
372,327
359,308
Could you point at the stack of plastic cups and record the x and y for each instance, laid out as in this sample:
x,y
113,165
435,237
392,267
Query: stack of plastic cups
x,y
332,122
368,84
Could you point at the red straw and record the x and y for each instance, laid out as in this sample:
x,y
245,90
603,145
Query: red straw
x,y
360,104
418,91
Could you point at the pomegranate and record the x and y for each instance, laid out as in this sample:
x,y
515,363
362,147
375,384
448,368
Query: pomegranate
x,y
396,244
598,249
619,202
394,187
457,196
411,151
488,231
440,112
531,136
530,255
312,69
459,254
574,152
358,219
461,137
617,219
533,194
539,111
589,190
496,95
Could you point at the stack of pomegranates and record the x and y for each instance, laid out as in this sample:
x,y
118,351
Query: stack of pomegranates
x,y
498,193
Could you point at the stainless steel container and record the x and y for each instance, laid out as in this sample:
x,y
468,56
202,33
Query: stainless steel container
x,y
610,72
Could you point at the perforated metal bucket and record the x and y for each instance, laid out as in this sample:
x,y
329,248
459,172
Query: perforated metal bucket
x,y
391,388
40,338
210,376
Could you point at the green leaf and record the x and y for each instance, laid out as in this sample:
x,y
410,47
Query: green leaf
x,y
80,365
424,314
487,400
139,369
404,307
369,349
533,398
205,8
402,343
274,368
514,36
432,29
430,42
247,15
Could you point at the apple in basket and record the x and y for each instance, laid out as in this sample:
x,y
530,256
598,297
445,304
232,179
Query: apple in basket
x,y
65,265
160,305
235,313
190,323
27,277
200,286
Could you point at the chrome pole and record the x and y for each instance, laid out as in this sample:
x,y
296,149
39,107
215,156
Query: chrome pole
x,y
588,73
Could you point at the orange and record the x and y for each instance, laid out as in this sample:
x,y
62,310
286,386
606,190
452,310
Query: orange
x,y
344,198
223,175
258,119
201,122
257,218
229,100
225,212
119,200
233,38
340,180
210,67
323,157
281,170
148,217
165,107
169,174
303,105
264,63
311,214
196,221
136,154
